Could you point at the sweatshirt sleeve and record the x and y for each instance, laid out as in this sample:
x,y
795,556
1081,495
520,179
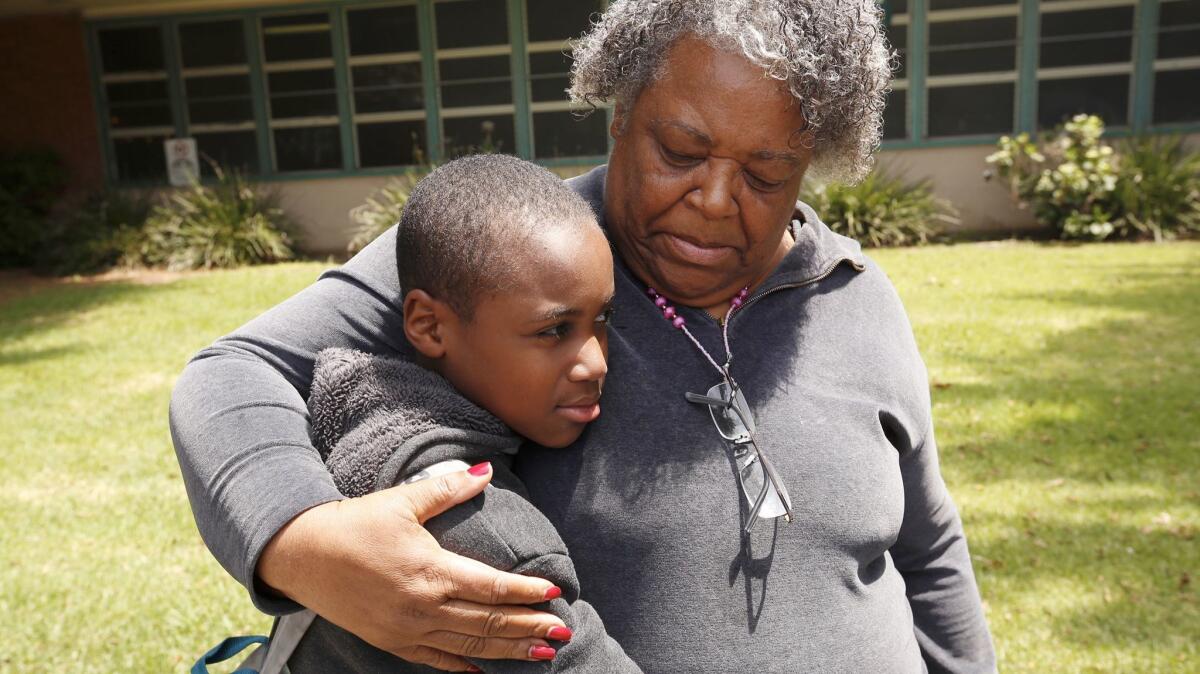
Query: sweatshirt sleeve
x,y
238,417
931,550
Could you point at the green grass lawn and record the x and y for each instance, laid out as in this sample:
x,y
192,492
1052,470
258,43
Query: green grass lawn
x,y
1065,384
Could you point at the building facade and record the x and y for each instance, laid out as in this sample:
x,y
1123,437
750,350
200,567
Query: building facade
x,y
329,99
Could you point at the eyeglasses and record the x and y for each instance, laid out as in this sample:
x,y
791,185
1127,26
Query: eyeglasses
x,y
760,484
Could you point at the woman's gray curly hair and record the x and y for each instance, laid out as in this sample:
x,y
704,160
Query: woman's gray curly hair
x,y
832,54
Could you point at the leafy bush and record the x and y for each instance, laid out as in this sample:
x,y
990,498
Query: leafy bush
x,y
882,210
102,231
1086,189
229,224
30,183
381,210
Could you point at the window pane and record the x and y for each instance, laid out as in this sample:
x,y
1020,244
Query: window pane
x,y
475,81
471,135
138,104
1107,97
391,144
140,158
974,109
230,149
302,93
559,19
982,45
563,134
896,6
222,98
131,49
214,43
296,37
1179,29
895,121
385,88
1177,96
385,30
898,38
958,4
549,76
308,148
471,23
1087,37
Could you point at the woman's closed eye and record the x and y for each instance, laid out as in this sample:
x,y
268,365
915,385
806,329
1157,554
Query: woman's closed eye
x,y
680,159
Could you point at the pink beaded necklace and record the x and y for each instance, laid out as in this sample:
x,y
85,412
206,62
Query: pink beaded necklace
x,y
678,322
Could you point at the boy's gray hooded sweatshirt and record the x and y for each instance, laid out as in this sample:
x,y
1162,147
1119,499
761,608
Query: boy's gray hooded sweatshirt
x,y
872,576
378,421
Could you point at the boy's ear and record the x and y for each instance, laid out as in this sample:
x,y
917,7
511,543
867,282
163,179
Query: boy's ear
x,y
425,323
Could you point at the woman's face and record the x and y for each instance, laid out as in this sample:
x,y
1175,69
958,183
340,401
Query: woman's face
x,y
704,174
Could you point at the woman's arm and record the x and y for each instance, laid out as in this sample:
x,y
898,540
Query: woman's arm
x,y
265,505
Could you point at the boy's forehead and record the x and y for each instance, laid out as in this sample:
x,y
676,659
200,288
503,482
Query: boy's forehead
x,y
558,264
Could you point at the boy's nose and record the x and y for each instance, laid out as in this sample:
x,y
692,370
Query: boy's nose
x,y
590,364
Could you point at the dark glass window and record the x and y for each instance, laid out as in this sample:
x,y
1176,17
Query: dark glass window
x,y
896,6
296,37
895,119
138,104
213,43
960,4
308,148
384,30
483,80
898,38
471,23
1179,29
1086,37
229,149
302,93
387,87
218,99
549,20
972,109
1107,96
391,143
549,75
1176,96
141,158
974,46
125,50
471,135
566,134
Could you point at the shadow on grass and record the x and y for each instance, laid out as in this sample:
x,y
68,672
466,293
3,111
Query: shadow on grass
x,y
1103,436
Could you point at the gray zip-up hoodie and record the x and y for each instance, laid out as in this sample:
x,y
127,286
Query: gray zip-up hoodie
x,y
378,421
874,574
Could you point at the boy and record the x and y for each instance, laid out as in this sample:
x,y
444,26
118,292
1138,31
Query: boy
x,y
508,286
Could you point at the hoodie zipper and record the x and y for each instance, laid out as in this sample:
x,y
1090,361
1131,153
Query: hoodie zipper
x,y
787,286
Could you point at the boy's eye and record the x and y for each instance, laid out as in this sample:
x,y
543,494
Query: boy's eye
x,y
556,331
605,317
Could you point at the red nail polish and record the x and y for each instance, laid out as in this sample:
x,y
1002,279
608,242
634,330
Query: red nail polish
x,y
560,634
552,593
541,653
473,668
480,468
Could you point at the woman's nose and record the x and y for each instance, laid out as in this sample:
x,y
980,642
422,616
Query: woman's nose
x,y
714,195
590,364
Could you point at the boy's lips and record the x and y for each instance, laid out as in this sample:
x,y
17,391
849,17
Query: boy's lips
x,y
582,413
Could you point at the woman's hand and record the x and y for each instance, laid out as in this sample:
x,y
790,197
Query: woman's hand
x,y
369,566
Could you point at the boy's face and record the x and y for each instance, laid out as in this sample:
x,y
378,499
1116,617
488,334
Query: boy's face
x,y
535,354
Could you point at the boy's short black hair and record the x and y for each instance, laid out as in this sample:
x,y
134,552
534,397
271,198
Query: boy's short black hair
x,y
464,227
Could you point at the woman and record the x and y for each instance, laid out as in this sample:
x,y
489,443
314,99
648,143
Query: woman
x,y
745,331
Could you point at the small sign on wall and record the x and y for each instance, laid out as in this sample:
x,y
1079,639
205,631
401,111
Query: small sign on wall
x,y
183,162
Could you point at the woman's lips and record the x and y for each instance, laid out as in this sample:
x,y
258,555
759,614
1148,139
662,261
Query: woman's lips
x,y
695,253
580,414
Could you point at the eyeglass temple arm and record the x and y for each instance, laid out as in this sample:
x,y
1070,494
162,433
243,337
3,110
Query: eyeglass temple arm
x,y
707,400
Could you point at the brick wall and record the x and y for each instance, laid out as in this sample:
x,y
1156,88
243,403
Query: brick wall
x,y
45,95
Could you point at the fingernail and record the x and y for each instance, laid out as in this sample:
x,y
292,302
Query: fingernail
x,y
473,668
480,468
541,653
560,633
552,593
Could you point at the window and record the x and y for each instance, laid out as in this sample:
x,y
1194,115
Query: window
x,y
895,116
301,91
474,64
559,130
216,85
1177,63
388,91
972,67
1085,62
136,100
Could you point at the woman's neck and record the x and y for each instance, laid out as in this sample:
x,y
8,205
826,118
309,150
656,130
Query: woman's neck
x,y
718,311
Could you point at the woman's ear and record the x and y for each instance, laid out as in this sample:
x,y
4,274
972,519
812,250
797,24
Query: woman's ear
x,y
618,121
425,323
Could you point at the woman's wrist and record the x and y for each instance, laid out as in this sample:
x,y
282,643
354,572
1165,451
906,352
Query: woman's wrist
x,y
296,546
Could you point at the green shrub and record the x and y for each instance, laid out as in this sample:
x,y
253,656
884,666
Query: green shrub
x,y
30,183
381,210
882,210
1085,189
229,224
104,230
